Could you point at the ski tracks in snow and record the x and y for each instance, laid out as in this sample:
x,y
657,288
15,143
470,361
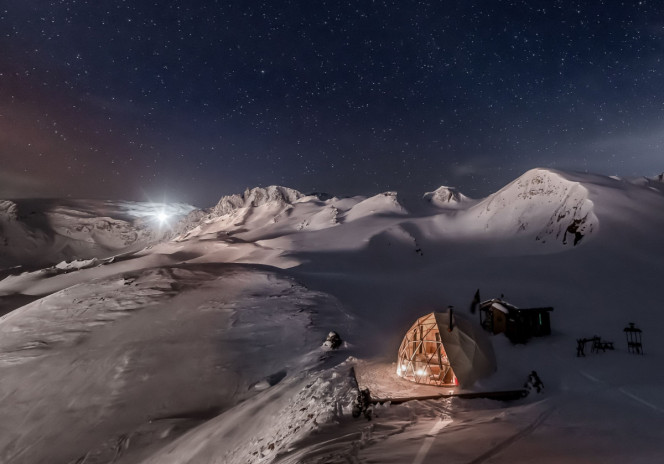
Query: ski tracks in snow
x,y
623,391
511,440
641,400
428,441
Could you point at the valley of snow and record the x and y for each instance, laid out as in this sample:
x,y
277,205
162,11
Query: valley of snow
x,y
127,341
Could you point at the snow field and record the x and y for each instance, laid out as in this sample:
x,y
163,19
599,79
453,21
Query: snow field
x,y
171,354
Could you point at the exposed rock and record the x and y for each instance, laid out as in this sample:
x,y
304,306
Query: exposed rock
x,y
333,341
255,197
446,197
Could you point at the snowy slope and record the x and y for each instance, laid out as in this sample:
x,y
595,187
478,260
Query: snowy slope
x,y
383,204
148,354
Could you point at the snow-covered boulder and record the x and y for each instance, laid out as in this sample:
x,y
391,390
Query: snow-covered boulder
x,y
333,341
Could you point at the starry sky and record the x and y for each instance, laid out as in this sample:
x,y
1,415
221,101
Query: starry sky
x,y
188,100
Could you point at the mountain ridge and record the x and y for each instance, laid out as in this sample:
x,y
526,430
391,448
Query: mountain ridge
x,y
543,209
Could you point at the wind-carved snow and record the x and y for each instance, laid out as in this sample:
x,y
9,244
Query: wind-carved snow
x,y
66,316
149,354
540,203
291,413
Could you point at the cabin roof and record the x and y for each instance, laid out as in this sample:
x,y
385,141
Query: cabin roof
x,y
505,307
500,305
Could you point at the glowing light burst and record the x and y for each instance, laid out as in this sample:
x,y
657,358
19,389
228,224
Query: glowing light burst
x,y
162,217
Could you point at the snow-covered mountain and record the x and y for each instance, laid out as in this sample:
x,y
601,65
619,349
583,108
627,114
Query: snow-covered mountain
x,y
447,197
543,211
206,345
542,203
42,232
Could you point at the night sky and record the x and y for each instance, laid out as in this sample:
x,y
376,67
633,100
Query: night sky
x,y
189,100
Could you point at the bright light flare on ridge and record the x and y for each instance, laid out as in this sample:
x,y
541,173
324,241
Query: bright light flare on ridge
x,y
162,217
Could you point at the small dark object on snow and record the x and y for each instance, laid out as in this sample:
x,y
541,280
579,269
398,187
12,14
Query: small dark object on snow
x,y
332,341
534,382
599,344
363,404
580,347
633,334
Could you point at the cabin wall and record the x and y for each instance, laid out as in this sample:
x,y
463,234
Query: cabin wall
x,y
499,322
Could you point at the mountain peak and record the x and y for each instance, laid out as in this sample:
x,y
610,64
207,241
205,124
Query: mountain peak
x,y
542,202
257,196
446,197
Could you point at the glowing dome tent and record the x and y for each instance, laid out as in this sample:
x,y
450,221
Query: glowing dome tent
x,y
434,353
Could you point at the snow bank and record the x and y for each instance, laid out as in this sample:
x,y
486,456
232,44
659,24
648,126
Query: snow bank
x,y
290,413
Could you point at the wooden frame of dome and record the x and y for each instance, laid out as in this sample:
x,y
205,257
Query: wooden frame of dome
x,y
422,357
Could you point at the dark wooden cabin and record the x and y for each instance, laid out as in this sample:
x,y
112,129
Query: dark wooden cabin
x,y
518,324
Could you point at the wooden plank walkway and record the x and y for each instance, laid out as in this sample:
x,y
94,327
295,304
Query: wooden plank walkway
x,y
507,395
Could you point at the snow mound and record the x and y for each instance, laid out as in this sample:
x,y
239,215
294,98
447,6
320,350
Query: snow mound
x,y
328,216
295,410
385,203
446,197
542,204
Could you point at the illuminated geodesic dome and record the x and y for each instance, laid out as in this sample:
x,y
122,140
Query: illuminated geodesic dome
x,y
431,353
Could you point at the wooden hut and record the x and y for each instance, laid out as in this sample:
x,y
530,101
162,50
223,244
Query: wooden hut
x,y
519,324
